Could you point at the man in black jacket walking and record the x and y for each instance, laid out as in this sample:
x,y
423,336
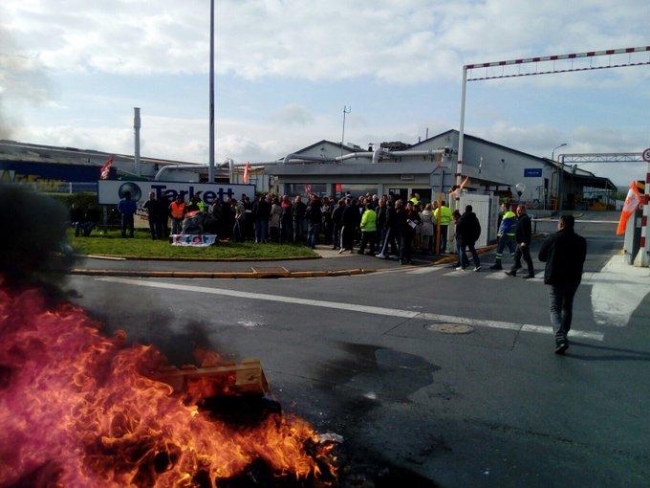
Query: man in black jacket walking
x,y
564,253
523,236
468,230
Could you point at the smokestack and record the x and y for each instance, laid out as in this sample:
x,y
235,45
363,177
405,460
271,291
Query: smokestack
x,y
136,128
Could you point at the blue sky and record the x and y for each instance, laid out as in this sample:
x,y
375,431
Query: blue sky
x,y
71,72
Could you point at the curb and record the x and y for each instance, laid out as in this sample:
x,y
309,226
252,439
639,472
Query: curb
x,y
276,273
222,274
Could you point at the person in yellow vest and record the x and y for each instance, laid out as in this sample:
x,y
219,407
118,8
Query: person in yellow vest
x,y
442,218
368,230
506,234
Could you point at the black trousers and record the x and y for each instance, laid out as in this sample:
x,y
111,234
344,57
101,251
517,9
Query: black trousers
x,y
523,252
561,297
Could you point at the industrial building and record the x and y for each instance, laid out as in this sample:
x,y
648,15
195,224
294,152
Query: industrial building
x,y
328,168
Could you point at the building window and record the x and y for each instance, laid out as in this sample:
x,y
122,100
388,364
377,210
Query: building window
x,y
341,189
306,189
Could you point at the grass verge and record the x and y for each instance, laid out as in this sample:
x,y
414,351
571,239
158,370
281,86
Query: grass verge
x,y
141,246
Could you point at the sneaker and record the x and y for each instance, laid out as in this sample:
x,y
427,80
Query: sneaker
x,y
511,273
496,266
527,277
381,256
341,251
561,347
477,268
460,268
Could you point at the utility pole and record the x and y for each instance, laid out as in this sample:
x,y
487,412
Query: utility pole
x,y
211,138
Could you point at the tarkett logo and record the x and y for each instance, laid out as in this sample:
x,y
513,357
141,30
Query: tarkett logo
x,y
110,192
132,188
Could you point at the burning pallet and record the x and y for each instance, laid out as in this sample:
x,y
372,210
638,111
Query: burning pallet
x,y
229,379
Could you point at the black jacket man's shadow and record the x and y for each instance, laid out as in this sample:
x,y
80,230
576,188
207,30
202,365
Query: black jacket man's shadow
x,y
620,354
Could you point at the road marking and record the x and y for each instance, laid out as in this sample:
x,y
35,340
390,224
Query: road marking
x,y
389,312
617,291
496,276
428,269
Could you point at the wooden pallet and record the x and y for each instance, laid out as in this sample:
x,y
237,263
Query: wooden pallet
x,y
229,379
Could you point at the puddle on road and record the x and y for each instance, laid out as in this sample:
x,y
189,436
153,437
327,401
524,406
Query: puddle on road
x,y
377,372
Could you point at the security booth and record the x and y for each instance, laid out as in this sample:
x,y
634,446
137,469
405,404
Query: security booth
x,y
486,208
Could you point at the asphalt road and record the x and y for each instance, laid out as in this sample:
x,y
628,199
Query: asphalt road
x,y
363,357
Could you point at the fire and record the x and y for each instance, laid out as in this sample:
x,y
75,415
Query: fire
x,y
80,409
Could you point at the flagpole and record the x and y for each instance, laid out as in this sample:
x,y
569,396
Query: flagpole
x,y
211,158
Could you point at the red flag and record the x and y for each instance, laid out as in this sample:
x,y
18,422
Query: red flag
x,y
632,202
106,169
247,169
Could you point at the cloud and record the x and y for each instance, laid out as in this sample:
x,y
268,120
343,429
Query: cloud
x,y
414,41
540,140
293,113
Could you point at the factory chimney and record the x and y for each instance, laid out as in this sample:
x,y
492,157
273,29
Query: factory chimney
x,y
136,128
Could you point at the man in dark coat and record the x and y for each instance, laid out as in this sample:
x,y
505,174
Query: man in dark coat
x,y
350,220
468,230
523,236
152,206
408,220
564,253
314,217
298,211
261,212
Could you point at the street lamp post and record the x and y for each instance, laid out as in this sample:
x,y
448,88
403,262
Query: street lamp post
x,y
211,135
560,176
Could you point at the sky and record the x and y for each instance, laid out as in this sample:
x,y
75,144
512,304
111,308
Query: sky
x,y
71,72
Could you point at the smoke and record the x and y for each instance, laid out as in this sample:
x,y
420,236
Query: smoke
x,y
33,246
23,79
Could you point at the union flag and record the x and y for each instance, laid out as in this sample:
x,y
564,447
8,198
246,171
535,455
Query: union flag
x,y
106,169
247,169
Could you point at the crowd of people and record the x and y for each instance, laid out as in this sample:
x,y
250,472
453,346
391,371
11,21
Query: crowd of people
x,y
377,226
84,220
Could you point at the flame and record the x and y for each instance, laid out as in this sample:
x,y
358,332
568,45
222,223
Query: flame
x,y
80,409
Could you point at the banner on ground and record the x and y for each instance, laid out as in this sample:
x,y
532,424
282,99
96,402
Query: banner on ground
x,y
195,240
632,202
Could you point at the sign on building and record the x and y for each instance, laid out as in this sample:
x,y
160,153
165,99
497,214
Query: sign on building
x,y
532,172
110,192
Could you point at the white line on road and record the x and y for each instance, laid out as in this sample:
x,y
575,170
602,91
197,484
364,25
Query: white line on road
x,y
496,276
428,269
390,312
